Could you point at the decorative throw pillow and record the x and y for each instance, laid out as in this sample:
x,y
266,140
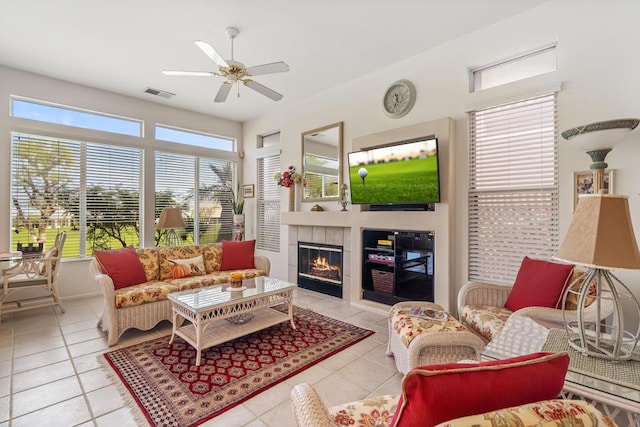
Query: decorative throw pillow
x,y
433,394
187,267
122,265
539,283
237,255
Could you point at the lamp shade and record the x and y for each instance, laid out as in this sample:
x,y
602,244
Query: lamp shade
x,y
601,234
171,218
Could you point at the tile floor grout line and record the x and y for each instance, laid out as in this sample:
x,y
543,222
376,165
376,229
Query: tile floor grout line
x,y
77,375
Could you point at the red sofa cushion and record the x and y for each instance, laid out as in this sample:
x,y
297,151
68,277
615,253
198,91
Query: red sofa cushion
x,y
237,255
539,283
122,265
433,394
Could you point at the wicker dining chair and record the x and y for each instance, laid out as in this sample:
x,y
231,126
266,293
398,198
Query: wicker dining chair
x,y
29,274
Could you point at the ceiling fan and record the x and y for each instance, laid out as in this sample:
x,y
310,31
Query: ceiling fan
x,y
234,71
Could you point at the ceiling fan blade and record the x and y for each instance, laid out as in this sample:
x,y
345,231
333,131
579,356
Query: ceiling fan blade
x,y
274,67
223,92
189,73
270,93
211,53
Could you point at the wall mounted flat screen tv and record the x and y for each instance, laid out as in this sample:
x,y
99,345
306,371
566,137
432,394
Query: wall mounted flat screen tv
x,y
404,173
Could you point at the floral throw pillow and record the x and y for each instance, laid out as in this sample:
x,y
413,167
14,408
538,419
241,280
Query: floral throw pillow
x,y
187,267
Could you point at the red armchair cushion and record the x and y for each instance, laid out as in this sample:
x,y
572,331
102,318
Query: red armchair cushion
x,y
237,255
122,265
539,283
433,394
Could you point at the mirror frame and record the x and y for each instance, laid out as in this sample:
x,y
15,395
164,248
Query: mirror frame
x,y
340,127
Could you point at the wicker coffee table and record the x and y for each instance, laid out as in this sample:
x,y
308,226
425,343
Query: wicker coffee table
x,y
217,314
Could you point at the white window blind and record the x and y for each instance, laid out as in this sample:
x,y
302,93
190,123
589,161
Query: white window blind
x,y
113,194
268,204
200,188
91,191
513,187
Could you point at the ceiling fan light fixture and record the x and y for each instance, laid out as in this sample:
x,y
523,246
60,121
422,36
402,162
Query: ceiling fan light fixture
x,y
234,71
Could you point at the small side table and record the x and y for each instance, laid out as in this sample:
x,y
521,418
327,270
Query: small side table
x,y
414,341
523,335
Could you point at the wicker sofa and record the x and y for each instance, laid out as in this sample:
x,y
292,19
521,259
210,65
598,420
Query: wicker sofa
x,y
309,411
144,305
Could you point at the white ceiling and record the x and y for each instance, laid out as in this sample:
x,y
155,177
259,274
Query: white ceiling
x,y
122,45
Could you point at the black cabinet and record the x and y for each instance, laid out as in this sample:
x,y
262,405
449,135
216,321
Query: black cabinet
x,y
397,266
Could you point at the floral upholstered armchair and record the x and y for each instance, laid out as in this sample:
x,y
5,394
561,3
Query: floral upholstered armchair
x,y
461,395
538,293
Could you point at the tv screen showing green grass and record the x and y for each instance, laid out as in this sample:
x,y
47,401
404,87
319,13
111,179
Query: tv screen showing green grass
x,y
402,173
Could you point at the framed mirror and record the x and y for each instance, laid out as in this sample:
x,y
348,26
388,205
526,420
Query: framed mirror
x,y
322,163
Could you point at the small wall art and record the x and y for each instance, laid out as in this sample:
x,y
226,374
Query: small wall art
x,y
583,184
248,191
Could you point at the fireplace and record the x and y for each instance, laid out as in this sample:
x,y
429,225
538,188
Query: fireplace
x,y
320,268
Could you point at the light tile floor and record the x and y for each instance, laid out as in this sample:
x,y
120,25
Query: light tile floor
x,y
50,375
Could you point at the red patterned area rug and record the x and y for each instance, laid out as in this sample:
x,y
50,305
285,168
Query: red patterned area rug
x,y
170,390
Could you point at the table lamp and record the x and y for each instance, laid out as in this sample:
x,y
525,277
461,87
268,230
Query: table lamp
x,y
171,218
601,238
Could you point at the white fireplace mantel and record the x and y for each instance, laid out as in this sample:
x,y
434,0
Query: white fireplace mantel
x,y
322,218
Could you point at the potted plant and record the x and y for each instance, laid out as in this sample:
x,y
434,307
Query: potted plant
x,y
237,203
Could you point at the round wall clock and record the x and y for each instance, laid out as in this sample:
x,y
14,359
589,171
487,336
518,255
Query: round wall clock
x,y
399,99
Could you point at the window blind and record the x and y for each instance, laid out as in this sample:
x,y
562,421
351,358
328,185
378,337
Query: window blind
x,y
200,188
513,187
268,204
113,195
91,191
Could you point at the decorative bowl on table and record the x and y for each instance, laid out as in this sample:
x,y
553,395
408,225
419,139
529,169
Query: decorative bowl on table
x,y
240,318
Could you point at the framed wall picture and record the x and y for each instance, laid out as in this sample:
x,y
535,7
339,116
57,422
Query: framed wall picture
x,y
248,191
583,184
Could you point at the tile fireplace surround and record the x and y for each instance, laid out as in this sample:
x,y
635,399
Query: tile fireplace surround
x,y
345,228
339,236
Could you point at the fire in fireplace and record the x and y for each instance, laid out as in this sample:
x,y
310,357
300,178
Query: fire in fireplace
x,y
320,268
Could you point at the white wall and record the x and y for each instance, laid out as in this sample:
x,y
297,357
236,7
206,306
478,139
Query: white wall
x,y
597,66
74,277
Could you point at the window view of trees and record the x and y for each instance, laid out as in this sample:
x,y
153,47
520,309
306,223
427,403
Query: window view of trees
x,y
200,187
94,192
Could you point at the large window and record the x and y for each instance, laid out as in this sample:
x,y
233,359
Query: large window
x,y
200,187
68,116
521,67
513,187
268,204
189,137
92,191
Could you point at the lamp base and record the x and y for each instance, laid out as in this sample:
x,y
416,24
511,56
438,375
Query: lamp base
x,y
172,238
597,299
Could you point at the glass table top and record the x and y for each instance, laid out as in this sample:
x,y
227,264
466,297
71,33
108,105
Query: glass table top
x,y
522,335
204,298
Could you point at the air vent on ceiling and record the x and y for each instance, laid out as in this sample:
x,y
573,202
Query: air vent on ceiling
x,y
158,92
318,135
